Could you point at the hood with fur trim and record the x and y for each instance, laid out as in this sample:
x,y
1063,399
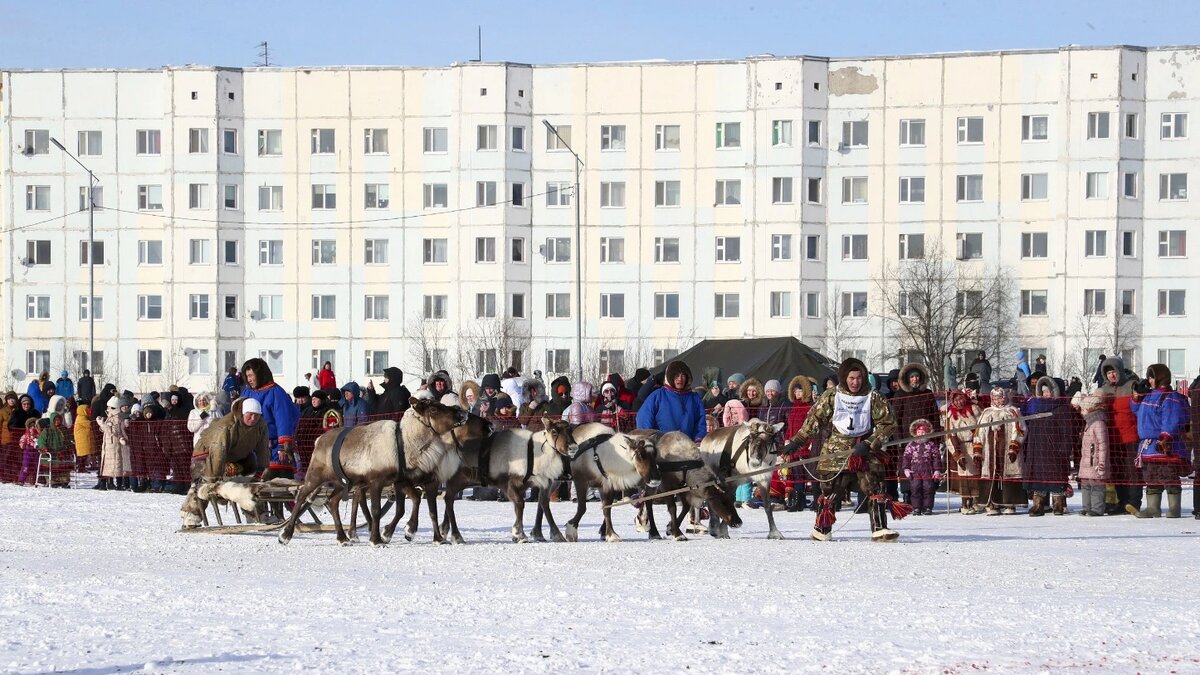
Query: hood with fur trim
x,y
1047,381
1113,363
1159,371
758,400
533,390
674,368
912,428
908,370
468,386
850,365
807,385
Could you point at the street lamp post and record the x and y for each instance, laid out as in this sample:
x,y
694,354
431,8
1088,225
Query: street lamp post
x,y
91,200
578,257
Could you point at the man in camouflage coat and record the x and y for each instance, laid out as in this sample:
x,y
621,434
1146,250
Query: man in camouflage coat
x,y
859,420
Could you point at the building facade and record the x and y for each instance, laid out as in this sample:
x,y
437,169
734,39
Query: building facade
x,y
424,217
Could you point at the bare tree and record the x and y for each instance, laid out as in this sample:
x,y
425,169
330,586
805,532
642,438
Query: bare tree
x,y
842,329
487,345
427,344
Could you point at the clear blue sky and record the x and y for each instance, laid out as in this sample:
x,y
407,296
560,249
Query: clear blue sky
x,y
144,33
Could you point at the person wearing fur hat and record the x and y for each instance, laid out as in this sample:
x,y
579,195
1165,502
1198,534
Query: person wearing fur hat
x,y
1093,455
1046,459
751,396
801,393
674,406
114,448
1116,388
531,411
442,388
608,407
1162,417
1000,488
964,448
859,421
301,395
278,412
923,465
468,394
913,401
201,416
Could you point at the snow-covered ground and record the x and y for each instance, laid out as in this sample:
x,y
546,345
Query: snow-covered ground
x,y
94,582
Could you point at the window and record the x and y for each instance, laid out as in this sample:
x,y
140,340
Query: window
x,y
854,134
1097,185
485,193
320,356
485,305
969,303
1095,243
912,133
1131,125
516,247
518,139
485,137
198,141
516,305
94,252
1172,186
37,360
1174,126
666,249
781,304
270,142
149,361
1094,302
1171,302
970,130
230,358
434,251
197,196
518,194
812,247
199,252
1172,243
324,197
375,361
558,305
198,362
557,249
612,195
612,360
612,137
729,249
906,304
1034,187
1097,125
854,247
781,133
198,306
1172,359
1033,303
375,252
559,360
230,197
729,134
231,307
912,246
612,249
375,141
854,190
270,252
1129,244
229,141
812,305
666,305
37,141
436,195
781,247
1035,127
912,189
854,304
150,252
1128,297
729,193
435,139
90,143
1129,185
149,141
970,245
969,188
664,355
812,190
86,308
149,197
270,307
323,141
485,249
375,196
270,198
726,305
37,197
813,133
149,307
324,252
558,194
324,307
666,137
560,141
612,305
1034,245
781,190
37,307
666,193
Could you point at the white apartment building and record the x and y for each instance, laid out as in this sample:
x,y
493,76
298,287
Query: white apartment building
x,y
376,216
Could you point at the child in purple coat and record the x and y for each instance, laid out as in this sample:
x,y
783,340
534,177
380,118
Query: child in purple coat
x,y
923,465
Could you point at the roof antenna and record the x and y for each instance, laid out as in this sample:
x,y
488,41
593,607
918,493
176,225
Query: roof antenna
x,y
479,43
264,54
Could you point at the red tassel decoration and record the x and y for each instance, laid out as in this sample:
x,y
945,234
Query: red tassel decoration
x,y
899,510
856,464
825,516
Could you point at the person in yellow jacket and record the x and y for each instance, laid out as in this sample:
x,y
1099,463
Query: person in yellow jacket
x,y
84,441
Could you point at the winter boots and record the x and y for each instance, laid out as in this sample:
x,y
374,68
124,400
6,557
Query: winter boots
x,y
1153,505
968,507
879,528
1060,505
1038,508
102,484
1173,498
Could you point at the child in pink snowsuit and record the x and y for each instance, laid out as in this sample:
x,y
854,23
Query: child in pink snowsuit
x,y
923,465
29,448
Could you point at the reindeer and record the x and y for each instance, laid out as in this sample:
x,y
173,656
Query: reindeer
x,y
682,466
749,446
378,454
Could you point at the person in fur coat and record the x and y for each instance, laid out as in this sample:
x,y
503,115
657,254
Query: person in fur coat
x,y
1000,489
963,447
468,394
752,396
923,464
1093,452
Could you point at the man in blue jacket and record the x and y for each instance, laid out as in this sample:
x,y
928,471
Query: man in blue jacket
x,y
1162,418
279,413
674,406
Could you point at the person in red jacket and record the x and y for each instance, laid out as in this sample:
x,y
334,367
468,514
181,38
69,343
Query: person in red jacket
x,y
1117,390
326,378
800,392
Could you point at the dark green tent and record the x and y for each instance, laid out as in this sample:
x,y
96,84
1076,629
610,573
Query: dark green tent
x,y
777,358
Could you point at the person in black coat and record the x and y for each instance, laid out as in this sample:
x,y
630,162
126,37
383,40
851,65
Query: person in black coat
x,y
393,399
85,388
